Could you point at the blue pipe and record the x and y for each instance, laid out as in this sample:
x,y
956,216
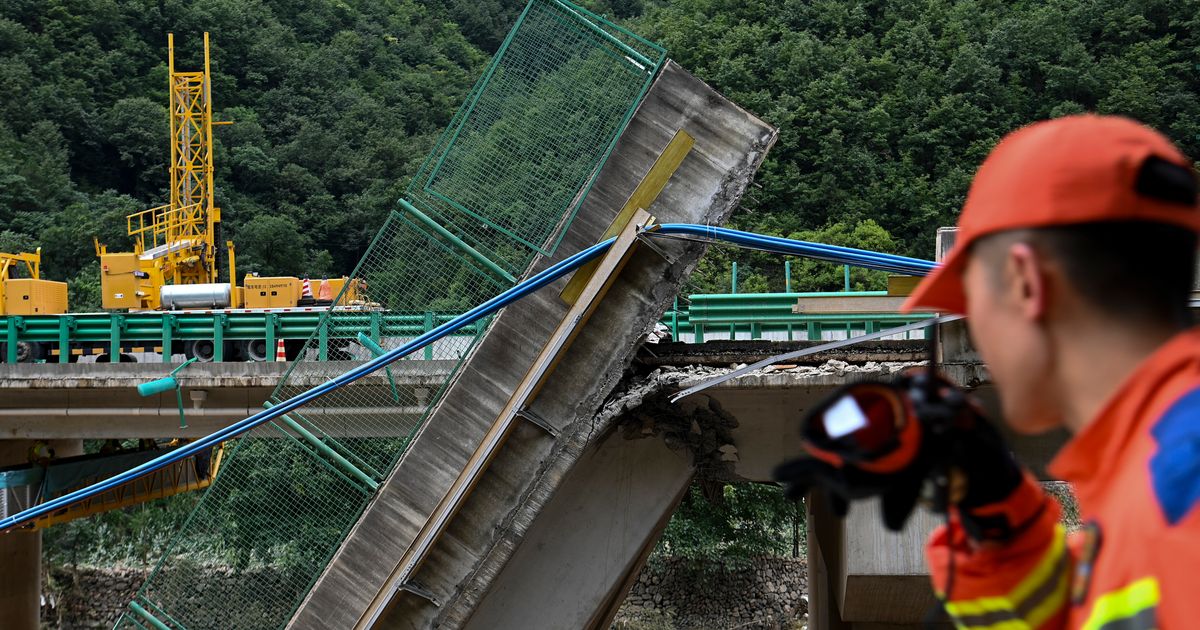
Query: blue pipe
x,y
487,308
832,253
732,235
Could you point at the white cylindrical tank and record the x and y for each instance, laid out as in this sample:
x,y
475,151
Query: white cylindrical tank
x,y
180,296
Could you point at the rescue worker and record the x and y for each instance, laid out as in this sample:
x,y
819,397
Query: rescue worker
x,y
1073,263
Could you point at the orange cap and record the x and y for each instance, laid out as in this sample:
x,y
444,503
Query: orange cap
x,y
1077,169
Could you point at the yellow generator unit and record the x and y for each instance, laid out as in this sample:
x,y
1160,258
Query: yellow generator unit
x,y
286,291
126,282
270,292
32,295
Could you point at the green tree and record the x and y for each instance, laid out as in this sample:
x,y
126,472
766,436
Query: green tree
x,y
137,129
815,275
273,245
746,521
885,109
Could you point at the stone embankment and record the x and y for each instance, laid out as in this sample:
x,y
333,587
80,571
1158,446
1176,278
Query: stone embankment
x,y
672,594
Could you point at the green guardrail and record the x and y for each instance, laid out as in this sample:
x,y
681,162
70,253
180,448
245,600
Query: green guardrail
x,y
116,330
755,314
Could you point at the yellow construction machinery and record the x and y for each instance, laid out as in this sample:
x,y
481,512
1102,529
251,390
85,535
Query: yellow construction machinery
x,y
46,479
30,295
174,265
176,244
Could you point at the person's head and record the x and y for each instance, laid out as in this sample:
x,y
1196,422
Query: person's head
x,y
1079,224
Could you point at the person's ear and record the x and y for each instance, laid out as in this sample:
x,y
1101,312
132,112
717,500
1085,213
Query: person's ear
x,y
1026,281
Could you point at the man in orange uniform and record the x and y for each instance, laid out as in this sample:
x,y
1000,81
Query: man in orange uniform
x,y
1073,263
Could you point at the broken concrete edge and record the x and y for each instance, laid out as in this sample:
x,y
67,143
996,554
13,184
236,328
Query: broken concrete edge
x,y
621,413
719,352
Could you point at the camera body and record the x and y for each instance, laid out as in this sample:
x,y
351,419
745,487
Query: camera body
x,y
911,425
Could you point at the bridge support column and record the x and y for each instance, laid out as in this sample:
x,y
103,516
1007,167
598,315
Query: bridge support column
x,y
862,576
21,552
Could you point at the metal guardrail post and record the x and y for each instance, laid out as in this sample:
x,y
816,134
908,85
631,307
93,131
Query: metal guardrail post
x,y
115,324
270,335
675,320
219,323
787,288
65,324
168,336
323,339
13,323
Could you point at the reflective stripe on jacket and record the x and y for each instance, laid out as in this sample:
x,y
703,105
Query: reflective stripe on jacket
x,y
1135,565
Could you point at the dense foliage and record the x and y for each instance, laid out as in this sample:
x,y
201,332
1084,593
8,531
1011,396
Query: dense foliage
x,y
886,107
334,104
742,522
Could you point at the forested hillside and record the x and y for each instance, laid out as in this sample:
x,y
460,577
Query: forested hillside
x,y
885,108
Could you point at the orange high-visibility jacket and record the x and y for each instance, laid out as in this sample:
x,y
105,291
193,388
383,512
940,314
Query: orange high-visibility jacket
x,y
1135,564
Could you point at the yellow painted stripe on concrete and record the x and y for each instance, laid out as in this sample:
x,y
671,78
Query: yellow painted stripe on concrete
x,y
646,192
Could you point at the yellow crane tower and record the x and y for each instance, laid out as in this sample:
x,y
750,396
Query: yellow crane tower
x,y
175,244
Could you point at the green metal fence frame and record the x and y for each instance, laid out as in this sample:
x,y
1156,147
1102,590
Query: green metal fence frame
x,y
445,143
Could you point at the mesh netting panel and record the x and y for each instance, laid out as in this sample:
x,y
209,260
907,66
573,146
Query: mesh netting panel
x,y
282,504
257,540
533,132
414,282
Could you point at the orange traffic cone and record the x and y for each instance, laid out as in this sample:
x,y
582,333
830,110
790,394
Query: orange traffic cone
x,y
280,353
325,293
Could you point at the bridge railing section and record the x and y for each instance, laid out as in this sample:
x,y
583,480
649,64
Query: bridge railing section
x,y
694,319
112,334
705,317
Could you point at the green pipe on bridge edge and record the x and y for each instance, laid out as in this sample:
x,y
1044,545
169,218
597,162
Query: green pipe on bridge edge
x,y
325,450
145,614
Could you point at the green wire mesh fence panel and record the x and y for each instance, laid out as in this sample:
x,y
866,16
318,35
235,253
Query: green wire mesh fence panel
x,y
290,490
418,282
518,157
258,538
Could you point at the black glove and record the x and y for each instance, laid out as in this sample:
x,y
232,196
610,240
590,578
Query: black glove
x,y
898,491
921,437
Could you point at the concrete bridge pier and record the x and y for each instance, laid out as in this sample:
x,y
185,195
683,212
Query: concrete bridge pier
x,y
21,551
